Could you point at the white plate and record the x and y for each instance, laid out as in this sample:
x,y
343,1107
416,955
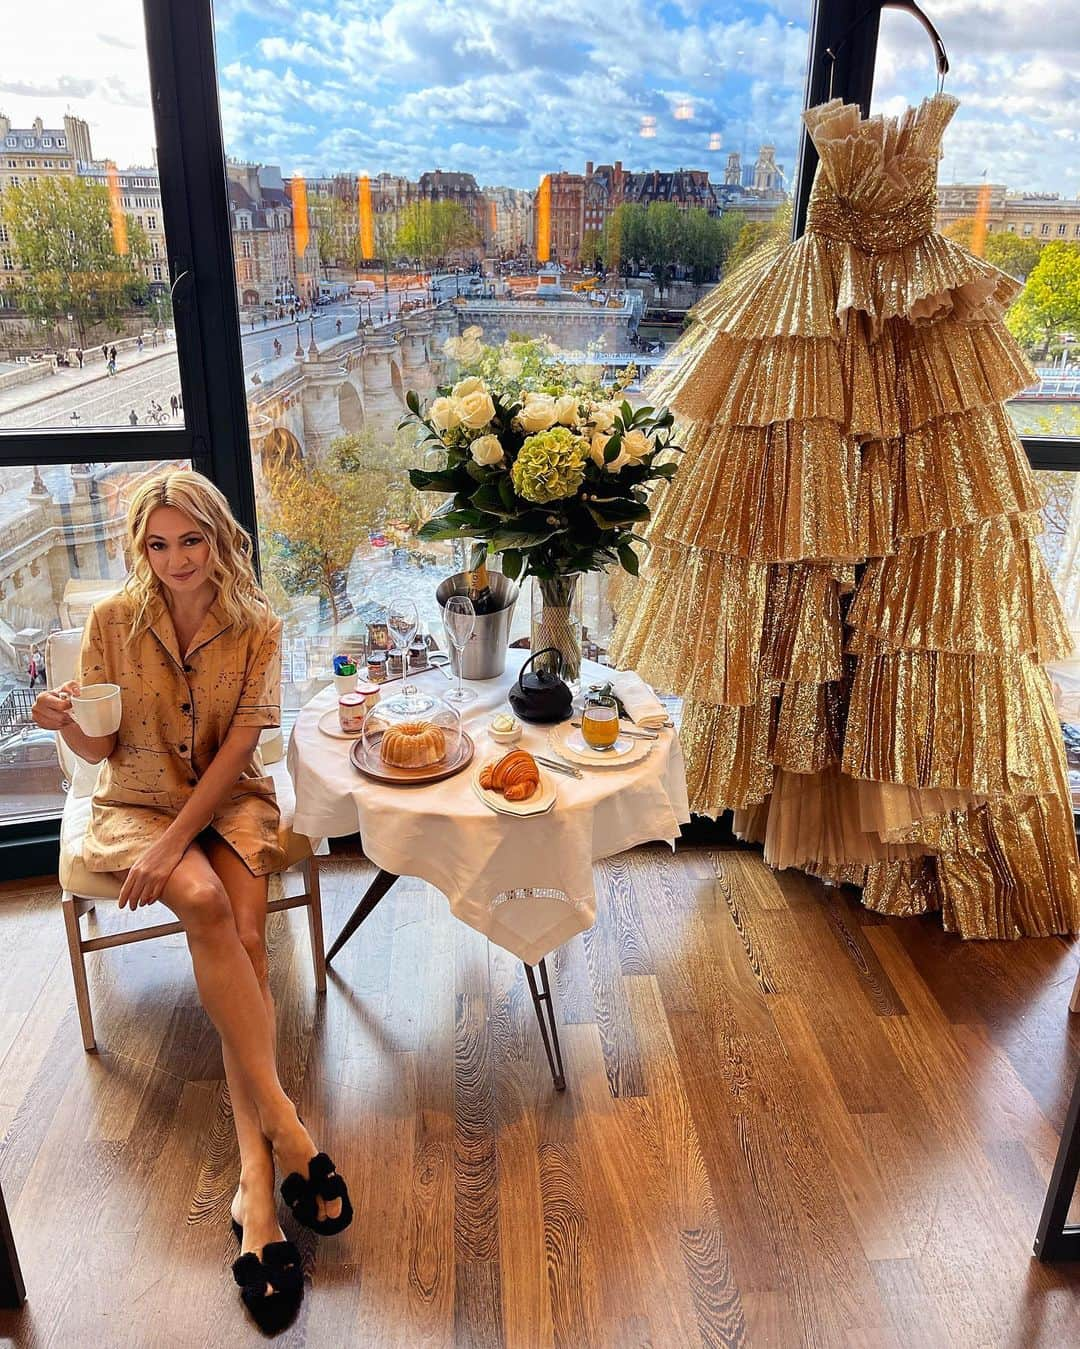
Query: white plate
x,y
329,725
539,803
567,742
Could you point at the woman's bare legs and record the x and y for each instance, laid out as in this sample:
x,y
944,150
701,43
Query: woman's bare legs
x,y
231,994
253,1205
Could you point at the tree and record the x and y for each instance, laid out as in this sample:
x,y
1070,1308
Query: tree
x,y
72,259
434,230
1050,302
1013,254
590,248
663,240
961,231
321,512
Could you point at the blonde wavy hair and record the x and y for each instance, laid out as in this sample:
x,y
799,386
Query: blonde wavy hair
x,y
230,566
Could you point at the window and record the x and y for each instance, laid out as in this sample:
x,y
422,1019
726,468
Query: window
x,y
63,517
104,299
46,141
11,140
151,221
63,549
1028,228
61,141
1044,229
1061,230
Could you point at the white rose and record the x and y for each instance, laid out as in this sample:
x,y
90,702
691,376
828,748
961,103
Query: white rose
x,y
473,332
596,447
510,367
469,350
452,347
538,414
636,444
476,409
602,416
466,386
444,415
566,410
486,450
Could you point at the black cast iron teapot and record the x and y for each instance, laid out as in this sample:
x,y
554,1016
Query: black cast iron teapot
x,y
540,696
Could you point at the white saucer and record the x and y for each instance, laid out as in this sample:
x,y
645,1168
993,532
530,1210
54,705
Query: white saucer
x,y
568,742
541,801
329,725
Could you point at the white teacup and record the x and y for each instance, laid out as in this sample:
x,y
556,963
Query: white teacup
x,y
97,709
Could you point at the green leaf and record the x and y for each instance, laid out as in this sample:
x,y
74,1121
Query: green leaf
x,y
412,402
428,481
511,563
502,539
626,412
488,498
506,492
613,448
628,558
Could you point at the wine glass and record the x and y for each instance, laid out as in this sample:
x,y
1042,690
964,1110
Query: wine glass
x,y
459,619
402,620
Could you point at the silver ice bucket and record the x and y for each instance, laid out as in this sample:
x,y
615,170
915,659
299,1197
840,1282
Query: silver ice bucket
x,y
484,656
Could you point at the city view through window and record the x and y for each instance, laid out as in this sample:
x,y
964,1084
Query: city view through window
x,y
408,181
1009,189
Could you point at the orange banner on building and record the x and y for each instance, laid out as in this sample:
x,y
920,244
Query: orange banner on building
x,y
116,209
298,198
543,220
978,228
367,218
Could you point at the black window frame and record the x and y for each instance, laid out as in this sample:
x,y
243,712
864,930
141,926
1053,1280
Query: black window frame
x,y
201,270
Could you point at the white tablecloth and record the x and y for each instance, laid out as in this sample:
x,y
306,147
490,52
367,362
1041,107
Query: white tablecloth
x,y
526,883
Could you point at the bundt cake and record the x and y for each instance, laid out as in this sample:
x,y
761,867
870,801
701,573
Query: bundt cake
x,y
413,744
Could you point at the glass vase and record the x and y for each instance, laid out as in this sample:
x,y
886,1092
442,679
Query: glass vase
x,y
556,622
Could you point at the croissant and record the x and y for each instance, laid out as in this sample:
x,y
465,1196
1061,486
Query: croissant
x,y
514,776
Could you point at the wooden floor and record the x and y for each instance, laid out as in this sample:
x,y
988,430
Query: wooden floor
x,y
788,1122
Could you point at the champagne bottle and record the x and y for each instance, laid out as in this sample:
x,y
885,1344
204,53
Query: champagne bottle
x,y
477,585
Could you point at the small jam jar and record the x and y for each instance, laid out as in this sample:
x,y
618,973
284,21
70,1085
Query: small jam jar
x,y
418,655
352,708
376,667
369,693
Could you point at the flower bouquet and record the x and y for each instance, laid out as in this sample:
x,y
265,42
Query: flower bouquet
x,y
543,464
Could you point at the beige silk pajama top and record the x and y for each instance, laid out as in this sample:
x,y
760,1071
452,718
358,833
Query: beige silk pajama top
x,y
176,713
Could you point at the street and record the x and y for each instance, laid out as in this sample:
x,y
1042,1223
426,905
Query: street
x,y
99,400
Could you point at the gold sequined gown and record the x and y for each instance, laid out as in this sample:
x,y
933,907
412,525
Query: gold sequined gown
x,y
844,581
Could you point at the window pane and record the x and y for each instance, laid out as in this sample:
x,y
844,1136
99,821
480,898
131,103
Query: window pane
x,y
86,336
1009,182
398,174
61,548
1060,543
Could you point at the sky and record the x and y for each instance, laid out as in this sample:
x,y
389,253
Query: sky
x,y
511,89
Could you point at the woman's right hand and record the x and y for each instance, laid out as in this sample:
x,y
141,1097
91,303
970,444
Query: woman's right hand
x,y
52,709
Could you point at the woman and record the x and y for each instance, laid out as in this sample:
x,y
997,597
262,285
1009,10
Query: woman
x,y
183,811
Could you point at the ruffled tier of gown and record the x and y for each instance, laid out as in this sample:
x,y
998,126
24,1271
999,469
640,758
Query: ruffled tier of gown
x,y
843,409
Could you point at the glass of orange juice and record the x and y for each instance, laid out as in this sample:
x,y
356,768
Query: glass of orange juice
x,y
600,721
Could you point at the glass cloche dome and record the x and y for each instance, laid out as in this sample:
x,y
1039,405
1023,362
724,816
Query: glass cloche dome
x,y
412,730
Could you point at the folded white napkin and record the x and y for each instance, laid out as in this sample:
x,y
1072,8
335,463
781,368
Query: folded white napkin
x,y
643,707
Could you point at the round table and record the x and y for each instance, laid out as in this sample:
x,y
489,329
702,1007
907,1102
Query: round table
x,y
526,883
445,834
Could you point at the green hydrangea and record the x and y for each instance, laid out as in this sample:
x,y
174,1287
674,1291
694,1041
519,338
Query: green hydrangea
x,y
550,466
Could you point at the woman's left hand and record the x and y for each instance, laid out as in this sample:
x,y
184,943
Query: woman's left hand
x,y
147,879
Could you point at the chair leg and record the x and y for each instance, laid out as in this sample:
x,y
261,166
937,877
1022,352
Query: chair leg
x,y
78,972
1074,1001
310,871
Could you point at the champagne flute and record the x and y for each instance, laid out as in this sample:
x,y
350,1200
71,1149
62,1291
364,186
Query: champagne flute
x,y
459,619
